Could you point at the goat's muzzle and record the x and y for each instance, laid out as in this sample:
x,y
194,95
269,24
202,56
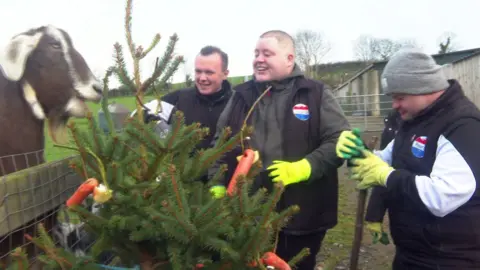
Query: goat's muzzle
x,y
90,92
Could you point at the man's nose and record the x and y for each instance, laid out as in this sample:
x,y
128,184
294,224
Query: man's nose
x,y
259,59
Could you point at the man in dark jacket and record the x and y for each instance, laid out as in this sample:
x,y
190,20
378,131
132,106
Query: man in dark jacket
x,y
204,102
431,168
392,123
296,125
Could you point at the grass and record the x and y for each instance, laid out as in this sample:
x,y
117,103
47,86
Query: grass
x,y
338,241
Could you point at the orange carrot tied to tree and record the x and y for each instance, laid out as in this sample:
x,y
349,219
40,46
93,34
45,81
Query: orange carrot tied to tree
x,y
82,192
244,164
101,192
271,259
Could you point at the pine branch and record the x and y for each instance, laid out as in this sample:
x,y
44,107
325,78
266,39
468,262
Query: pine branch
x,y
20,260
121,69
46,244
154,43
106,112
97,139
172,68
128,26
167,57
190,230
297,258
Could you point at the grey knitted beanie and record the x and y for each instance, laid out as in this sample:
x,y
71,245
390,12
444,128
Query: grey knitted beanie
x,y
411,71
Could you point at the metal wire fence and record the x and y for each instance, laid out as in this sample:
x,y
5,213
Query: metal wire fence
x,y
366,112
17,162
32,195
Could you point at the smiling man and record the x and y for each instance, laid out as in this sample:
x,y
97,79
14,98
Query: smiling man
x,y
204,102
296,123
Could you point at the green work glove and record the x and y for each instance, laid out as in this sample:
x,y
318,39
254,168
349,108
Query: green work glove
x,y
218,191
377,232
290,172
349,144
370,170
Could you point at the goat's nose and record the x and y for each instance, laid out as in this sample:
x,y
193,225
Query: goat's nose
x,y
98,88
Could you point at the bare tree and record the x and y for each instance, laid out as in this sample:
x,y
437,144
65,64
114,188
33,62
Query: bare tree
x,y
310,48
369,48
365,48
446,42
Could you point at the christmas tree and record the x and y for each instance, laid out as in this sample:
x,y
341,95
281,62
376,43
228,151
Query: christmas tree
x,y
153,214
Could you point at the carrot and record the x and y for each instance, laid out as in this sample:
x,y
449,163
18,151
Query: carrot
x,y
82,192
271,259
242,168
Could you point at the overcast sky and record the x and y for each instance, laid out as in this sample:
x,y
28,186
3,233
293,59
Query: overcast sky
x,y
234,25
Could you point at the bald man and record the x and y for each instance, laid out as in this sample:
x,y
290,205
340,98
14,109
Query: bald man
x,y
296,126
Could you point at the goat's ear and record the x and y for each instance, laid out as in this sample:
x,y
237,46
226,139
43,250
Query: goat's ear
x,y
14,56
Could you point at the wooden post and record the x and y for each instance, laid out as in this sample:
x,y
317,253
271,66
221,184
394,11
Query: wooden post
x,y
362,197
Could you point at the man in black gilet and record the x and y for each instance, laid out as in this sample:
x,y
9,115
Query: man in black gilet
x,y
204,102
430,170
296,125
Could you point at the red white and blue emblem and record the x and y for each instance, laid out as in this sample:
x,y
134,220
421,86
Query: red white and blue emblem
x,y
301,112
418,146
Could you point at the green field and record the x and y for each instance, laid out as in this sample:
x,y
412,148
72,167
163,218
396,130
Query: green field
x,y
53,153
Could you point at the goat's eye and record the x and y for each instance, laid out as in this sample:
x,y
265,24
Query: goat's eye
x,y
56,45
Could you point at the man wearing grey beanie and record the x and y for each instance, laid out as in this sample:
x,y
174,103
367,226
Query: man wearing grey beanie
x,y
430,172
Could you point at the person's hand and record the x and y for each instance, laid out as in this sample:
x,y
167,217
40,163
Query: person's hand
x,y
218,191
377,232
349,144
290,172
370,170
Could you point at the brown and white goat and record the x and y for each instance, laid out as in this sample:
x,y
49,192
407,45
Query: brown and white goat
x,y
44,77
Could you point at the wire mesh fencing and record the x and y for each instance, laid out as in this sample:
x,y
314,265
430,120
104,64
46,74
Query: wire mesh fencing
x,y
32,195
366,112
17,162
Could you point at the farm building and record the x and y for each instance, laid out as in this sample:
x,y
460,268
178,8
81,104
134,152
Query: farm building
x,y
362,93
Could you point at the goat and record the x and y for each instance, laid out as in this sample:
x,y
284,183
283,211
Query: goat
x,y
43,78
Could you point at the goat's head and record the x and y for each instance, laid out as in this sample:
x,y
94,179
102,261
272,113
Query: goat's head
x,y
55,78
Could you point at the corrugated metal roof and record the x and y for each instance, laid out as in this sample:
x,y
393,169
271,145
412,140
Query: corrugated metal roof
x,y
441,59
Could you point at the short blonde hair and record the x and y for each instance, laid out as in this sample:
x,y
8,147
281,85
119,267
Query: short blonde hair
x,y
283,38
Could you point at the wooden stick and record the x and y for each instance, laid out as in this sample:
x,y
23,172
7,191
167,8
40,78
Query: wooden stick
x,y
362,197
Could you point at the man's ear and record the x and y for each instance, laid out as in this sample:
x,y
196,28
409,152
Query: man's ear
x,y
291,59
13,57
226,72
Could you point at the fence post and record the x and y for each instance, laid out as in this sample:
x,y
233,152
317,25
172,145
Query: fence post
x,y
365,118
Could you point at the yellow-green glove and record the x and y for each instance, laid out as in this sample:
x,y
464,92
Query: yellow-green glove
x,y
377,232
218,191
290,172
370,170
349,144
